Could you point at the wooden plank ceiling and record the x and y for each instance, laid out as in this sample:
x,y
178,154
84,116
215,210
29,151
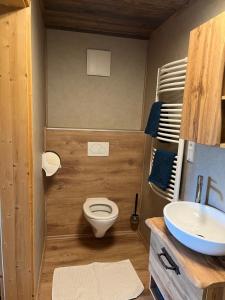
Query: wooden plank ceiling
x,y
130,18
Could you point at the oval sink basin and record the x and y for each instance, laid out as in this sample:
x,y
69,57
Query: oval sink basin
x,y
199,227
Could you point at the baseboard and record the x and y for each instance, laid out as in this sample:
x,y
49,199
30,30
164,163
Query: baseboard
x,y
40,272
89,235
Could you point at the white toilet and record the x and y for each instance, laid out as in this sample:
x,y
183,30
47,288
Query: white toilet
x,y
101,213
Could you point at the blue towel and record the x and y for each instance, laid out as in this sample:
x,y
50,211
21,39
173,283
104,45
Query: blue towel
x,y
162,168
153,120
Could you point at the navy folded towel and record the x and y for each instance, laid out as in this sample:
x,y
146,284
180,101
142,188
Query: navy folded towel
x,y
153,120
162,168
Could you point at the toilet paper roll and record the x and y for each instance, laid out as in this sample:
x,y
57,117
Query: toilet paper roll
x,y
50,163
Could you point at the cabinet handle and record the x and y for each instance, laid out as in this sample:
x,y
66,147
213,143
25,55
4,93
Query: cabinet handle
x,y
172,265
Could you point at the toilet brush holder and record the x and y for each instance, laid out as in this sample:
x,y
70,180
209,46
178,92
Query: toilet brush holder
x,y
134,218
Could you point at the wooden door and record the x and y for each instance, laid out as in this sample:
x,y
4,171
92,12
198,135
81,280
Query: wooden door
x,y
202,111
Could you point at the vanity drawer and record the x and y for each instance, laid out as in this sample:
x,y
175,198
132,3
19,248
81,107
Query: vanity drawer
x,y
168,274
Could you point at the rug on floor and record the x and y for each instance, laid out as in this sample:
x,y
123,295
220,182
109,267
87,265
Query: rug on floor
x,y
97,281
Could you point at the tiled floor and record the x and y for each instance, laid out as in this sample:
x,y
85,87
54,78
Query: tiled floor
x,y
66,252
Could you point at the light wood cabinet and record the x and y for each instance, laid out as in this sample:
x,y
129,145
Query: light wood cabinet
x,y
178,273
203,110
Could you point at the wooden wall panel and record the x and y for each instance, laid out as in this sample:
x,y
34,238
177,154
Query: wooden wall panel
x,y
117,177
16,154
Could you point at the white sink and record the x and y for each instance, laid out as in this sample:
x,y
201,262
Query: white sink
x,y
199,227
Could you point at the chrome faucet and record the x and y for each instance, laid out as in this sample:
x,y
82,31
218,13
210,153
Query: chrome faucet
x,y
199,189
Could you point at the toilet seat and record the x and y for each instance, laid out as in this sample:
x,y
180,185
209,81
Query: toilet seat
x,y
100,209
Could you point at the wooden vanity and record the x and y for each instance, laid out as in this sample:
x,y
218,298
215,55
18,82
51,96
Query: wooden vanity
x,y
178,273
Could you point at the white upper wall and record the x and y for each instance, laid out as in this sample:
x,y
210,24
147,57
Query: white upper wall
x,y
80,101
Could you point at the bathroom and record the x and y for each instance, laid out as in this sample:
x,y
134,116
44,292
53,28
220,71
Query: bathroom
x,y
78,80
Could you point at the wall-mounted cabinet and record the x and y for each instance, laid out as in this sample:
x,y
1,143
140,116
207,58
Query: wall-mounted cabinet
x,y
204,95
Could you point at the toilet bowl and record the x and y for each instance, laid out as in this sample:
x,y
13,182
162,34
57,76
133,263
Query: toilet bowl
x,y
101,213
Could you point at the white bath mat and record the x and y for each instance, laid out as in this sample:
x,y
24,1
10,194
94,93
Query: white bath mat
x,y
97,281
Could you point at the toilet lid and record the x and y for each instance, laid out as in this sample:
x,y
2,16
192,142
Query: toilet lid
x,y
100,209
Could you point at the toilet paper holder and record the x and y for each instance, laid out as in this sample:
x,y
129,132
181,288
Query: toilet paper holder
x,y
51,162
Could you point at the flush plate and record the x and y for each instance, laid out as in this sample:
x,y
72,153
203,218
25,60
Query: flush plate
x,y
98,148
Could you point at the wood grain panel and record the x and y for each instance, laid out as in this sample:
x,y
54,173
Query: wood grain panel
x,y
125,17
215,294
15,3
72,252
117,177
16,154
201,121
88,23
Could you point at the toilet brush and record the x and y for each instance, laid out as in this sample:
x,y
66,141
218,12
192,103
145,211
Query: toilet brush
x,y
134,219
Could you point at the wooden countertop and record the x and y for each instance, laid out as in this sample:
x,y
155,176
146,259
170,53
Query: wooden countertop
x,y
204,271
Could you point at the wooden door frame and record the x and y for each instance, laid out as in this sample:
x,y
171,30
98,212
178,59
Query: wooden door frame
x,y
16,169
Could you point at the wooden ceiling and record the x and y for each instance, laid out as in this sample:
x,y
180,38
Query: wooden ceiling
x,y
130,18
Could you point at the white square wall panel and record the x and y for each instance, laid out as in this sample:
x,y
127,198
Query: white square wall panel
x,y
98,62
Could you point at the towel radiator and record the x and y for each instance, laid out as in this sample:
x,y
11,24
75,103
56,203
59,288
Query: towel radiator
x,y
170,79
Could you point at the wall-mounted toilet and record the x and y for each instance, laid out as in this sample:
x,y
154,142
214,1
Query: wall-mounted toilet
x,y
101,213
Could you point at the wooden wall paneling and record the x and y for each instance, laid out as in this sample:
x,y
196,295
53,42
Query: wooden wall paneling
x,y
15,3
201,120
7,187
117,177
15,150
